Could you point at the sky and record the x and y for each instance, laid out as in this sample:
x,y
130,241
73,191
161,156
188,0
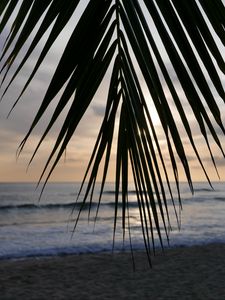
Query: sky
x,y
72,167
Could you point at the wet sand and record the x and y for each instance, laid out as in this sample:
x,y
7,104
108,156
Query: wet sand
x,y
196,272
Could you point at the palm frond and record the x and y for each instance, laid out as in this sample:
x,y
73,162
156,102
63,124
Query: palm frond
x,y
119,34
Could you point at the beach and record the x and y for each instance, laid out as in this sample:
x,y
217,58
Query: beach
x,y
39,259
196,272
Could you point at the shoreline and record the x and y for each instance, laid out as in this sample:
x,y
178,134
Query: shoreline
x,y
193,272
126,251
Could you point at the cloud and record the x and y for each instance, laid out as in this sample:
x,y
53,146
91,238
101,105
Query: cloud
x,y
13,129
99,110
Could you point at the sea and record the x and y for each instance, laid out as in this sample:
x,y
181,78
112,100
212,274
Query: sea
x,y
31,226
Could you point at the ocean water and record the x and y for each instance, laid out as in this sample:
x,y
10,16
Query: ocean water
x,y
29,227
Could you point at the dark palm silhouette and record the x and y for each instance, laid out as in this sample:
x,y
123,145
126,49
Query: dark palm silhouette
x,y
117,36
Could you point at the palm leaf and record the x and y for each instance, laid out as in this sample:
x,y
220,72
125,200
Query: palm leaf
x,y
120,34
8,11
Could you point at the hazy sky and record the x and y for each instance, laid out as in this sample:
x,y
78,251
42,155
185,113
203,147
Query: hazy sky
x,y
13,129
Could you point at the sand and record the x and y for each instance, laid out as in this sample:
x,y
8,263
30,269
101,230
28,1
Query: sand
x,y
181,273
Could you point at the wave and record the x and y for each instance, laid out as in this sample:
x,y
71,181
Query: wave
x,y
204,190
130,192
94,205
36,206
220,198
86,206
71,205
